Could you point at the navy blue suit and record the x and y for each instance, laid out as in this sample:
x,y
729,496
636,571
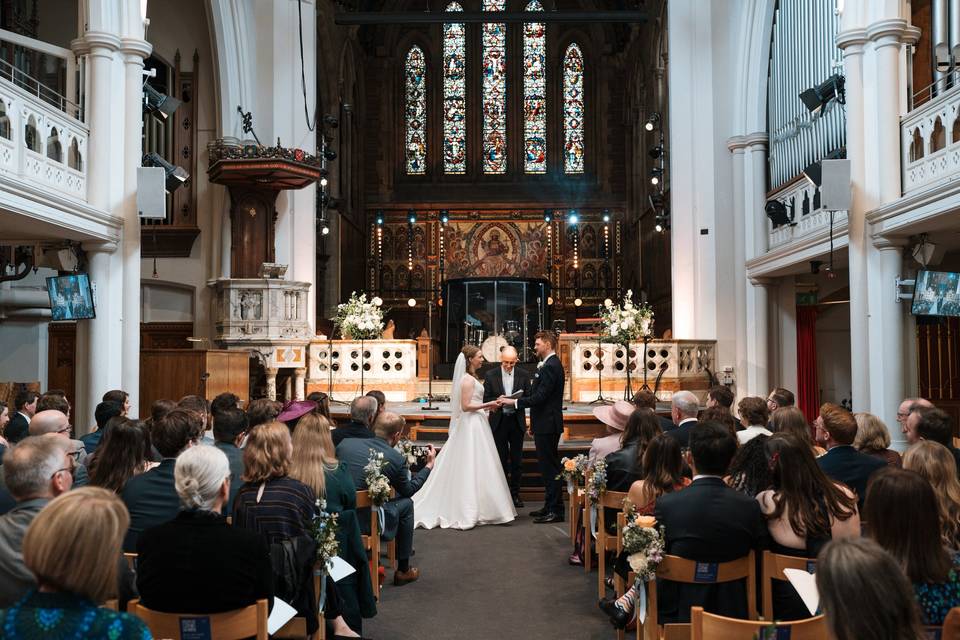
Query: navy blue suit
x,y
845,464
545,402
151,499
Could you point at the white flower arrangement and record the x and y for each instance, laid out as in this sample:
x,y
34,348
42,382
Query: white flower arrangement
x,y
378,485
626,322
644,545
359,318
324,530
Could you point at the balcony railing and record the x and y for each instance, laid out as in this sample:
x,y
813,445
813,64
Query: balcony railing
x,y
930,138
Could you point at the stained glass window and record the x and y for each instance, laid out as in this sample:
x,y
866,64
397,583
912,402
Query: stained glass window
x,y
573,109
534,94
415,71
454,95
494,92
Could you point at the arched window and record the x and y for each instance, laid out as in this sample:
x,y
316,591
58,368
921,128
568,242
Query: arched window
x,y
415,72
54,148
494,92
534,94
573,109
454,95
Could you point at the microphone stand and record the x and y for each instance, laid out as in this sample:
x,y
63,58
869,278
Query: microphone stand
x,y
330,397
430,406
600,399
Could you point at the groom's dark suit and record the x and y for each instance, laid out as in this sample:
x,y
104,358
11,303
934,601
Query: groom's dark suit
x,y
508,424
545,402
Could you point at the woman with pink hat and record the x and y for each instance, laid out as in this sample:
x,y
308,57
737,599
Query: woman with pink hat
x,y
615,417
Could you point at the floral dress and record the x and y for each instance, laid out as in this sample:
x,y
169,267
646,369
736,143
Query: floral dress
x,y
936,599
65,616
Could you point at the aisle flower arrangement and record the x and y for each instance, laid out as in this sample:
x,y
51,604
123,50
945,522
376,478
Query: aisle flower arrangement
x,y
644,545
378,485
324,531
626,322
359,318
598,481
572,470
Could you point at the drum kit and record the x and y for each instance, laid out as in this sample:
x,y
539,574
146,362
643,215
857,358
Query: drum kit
x,y
512,335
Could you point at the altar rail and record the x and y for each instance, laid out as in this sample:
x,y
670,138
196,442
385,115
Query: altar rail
x,y
342,368
686,365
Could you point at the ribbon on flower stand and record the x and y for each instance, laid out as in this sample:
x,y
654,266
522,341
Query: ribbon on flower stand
x,y
570,486
641,604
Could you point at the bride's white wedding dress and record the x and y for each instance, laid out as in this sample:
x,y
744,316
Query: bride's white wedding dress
x,y
467,486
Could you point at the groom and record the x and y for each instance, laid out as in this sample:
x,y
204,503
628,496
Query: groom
x,y
545,402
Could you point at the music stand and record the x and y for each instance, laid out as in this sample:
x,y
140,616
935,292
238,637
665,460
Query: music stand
x,y
600,399
430,406
330,397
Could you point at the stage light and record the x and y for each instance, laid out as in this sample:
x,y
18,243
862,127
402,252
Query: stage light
x,y
572,217
547,215
444,216
412,302
777,212
652,121
329,154
655,175
817,98
176,176
606,215
323,182
656,152
412,216
380,217
659,228
325,230
331,121
549,301
577,302
157,104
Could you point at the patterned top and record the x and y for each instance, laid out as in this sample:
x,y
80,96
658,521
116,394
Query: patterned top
x,y
936,600
284,511
63,616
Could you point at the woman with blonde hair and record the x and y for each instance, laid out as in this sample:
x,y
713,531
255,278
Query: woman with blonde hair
x,y
72,548
873,439
314,463
937,465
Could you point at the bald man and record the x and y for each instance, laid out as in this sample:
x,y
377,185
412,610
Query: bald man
x,y
508,424
53,422
908,406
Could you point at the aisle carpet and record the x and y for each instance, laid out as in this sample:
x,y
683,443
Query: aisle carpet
x,y
500,582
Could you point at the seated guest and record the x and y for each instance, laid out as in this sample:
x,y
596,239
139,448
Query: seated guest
x,y
859,566
804,511
294,410
224,401
902,515
24,405
684,408
160,408
708,522
720,396
230,427
624,467
790,420
647,400
873,439
151,497
58,423
102,414
381,399
197,563
262,411
721,414
927,423
615,418
908,406
54,400
362,412
4,420
119,396
124,453
662,474
753,414
201,407
749,472
322,401
72,548
936,464
780,398
35,471
354,452
836,430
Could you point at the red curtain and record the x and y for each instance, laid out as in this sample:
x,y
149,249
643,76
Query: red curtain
x,y
808,389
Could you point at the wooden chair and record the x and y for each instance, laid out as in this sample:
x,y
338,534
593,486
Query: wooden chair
x,y
951,625
296,627
231,625
772,569
371,542
587,534
684,571
575,508
707,626
619,585
131,559
605,541
112,604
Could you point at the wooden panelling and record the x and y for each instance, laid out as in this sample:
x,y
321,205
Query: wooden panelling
x,y
938,364
62,357
165,335
174,373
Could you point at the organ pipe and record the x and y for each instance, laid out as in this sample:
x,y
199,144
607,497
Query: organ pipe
x,y
940,41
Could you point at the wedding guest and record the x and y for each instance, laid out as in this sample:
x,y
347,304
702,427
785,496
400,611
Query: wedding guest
x,y
54,421
124,453
230,427
936,464
197,562
804,510
24,405
294,410
54,400
749,472
780,398
102,414
684,408
615,418
753,414
885,609
907,407
262,411
836,429
624,467
927,423
224,401
903,516
362,412
647,400
201,407
791,420
873,439
160,408
662,474
381,399
72,548
4,421
119,396
720,396
721,414
322,401
708,522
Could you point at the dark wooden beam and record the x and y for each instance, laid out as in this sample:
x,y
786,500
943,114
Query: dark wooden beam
x,y
478,17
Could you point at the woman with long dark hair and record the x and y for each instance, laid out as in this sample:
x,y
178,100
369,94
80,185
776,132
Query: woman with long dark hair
x,y
123,453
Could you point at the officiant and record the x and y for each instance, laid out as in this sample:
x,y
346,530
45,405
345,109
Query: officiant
x,y
508,424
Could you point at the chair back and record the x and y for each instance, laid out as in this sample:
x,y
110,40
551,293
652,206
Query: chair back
x,y
951,625
248,622
113,604
772,569
131,559
371,543
605,541
707,625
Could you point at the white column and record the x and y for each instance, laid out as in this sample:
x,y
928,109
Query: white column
x,y
271,383
736,145
758,351
755,244
103,362
787,332
298,383
890,358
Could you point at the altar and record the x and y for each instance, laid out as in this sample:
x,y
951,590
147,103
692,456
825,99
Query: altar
x,y
345,369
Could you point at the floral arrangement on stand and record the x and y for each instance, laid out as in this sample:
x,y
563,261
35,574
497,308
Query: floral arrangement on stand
x,y
626,322
573,470
643,543
359,318
378,485
598,481
324,531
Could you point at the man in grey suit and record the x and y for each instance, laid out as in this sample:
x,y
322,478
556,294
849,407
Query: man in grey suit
x,y
398,513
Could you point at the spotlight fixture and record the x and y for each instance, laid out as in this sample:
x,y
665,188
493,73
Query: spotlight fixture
x,y
380,217
325,230
323,182
329,154
815,266
549,301
572,217
412,302
176,176
444,216
655,175
159,105
547,215
817,98
662,221
659,228
652,121
814,171
412,216
578,302
656,152
777,212
606,215
331,121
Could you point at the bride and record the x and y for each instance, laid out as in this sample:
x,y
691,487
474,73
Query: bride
x,y
467,486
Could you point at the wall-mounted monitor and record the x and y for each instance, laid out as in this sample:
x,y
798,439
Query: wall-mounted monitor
x,y
937,293
71,297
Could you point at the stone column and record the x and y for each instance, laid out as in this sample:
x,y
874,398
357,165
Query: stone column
x,y
299,377
736,146
101,367
271,383
755,242
890,360
758,350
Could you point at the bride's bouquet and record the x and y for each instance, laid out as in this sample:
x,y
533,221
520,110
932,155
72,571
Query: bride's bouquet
x,y
360,319
626,322
378,485
644,545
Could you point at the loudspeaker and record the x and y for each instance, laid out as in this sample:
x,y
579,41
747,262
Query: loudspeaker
x,y
151,193
835,185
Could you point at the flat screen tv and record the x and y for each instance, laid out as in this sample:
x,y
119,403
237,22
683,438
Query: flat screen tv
x,y
71,297
937,293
